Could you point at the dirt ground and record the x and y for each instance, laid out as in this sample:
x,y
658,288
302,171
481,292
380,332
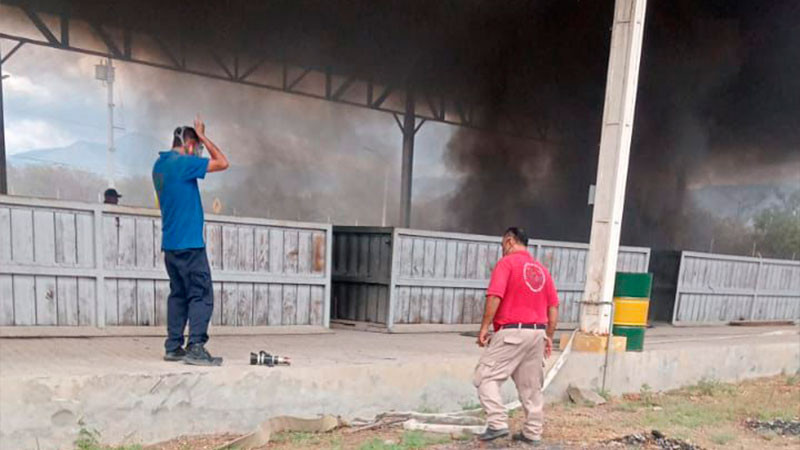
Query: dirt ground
x,y
709,415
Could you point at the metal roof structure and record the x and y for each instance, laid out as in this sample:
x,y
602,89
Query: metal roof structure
x,y
419,61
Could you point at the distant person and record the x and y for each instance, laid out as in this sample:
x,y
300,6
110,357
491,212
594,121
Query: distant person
x,y
111,196
522,304
191,299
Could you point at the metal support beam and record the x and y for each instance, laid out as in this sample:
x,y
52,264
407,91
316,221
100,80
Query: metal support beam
x,y
123,45
382,98
612,168
13,50
112,47
408,160
343,88
127,43
64,31
328,83
298,79
252,69
41,26
218,60
166,51
3,173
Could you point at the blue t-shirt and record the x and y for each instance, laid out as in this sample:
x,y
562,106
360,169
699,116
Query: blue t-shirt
x,y
175,179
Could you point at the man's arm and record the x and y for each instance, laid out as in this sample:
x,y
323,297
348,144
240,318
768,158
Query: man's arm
x,y
218,161
552,315
492,303
494,295
552,320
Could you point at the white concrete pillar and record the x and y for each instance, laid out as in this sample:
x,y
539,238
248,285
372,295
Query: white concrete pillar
x,y
612,169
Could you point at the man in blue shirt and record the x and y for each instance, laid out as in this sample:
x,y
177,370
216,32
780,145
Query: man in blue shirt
x,y
191,299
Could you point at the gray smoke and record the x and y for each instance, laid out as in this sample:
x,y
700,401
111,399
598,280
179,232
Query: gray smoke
x,y
719,87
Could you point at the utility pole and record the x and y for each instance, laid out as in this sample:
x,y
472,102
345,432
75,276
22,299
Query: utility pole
x,y
105,73
612,168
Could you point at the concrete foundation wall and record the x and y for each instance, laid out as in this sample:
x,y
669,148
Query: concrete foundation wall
x,y
44,412
671,368
142,408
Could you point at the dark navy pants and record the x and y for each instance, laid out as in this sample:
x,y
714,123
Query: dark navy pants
x,y
191,297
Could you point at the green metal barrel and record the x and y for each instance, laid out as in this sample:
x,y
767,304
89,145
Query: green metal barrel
x,y
633,285
635,337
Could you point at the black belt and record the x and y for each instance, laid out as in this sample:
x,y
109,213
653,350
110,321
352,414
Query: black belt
x,y
528,326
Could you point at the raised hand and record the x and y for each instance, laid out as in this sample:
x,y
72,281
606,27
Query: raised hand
x,y
199,126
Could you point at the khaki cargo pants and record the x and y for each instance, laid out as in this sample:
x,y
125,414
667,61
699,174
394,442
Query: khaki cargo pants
x,y
519,354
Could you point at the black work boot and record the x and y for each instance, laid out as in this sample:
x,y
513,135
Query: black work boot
x,y
175,355
519,437
197,355
490,434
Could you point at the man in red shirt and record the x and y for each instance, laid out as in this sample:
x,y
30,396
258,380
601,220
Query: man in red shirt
x,y
522,304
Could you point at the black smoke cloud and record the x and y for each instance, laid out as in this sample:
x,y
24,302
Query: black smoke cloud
x,y
719,82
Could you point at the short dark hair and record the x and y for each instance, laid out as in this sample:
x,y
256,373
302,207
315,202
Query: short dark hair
x,y
186,132
518,234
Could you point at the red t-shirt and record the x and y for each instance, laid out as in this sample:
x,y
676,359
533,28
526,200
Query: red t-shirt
x,y
525,289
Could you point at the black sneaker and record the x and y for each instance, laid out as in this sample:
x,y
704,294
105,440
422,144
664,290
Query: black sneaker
x,y
519,437
175,355
197,355
490,434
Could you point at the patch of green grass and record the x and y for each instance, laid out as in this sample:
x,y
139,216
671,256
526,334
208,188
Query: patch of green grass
x,y
464,436
295,437
603,393
410,440
303,438
335,443
786,413
685,415
425,409
378,444
629,407
792,380
723,438
711,388
418,439
646,395
90,440
472,404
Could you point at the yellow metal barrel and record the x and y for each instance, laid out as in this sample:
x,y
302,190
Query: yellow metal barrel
x,y
631,311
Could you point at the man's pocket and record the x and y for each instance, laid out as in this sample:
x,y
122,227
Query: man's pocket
x,y
483,371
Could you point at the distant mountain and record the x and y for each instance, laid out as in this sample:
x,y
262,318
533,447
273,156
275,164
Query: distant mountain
x,y
742,202
134,156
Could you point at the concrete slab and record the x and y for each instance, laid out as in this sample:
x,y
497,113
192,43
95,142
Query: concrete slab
x,y
121,387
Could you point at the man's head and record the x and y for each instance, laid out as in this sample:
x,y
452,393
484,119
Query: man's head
x,y
186,142
514,239
111,196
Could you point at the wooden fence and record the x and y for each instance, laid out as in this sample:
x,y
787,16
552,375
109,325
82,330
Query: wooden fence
x,y
391,277
77,264
718,289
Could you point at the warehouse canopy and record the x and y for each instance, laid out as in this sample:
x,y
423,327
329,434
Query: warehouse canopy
x,y
467,63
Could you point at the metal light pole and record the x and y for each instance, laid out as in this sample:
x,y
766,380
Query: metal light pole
x,y
105,73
